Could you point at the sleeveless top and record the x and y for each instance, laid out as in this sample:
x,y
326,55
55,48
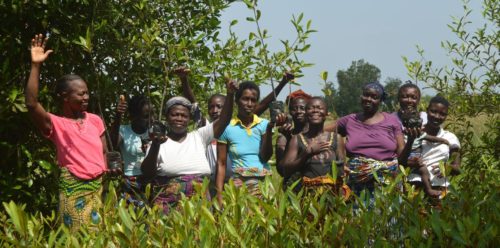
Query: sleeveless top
x,y
319,164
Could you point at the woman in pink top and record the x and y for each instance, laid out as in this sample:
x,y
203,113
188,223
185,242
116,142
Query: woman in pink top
x,y
79,140
373,141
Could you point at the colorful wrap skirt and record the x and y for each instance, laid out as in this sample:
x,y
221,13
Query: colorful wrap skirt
x,y
252,184
79,201
325,184
365,172
168,191
133,191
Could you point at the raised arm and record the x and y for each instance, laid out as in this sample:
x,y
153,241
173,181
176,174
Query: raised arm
x,y
221,169
116,139
187,92
264,104
227,111
38,55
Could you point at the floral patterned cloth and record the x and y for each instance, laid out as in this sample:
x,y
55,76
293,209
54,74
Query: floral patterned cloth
x,y
169,190
133,191
79,201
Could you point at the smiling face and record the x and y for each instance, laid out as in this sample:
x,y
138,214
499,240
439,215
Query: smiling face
x,y
316,111
215,107
76,97
298,110
247,102
178,119
370,100
408,98
436,114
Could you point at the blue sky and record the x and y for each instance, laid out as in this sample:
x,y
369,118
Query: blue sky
x,y
380,32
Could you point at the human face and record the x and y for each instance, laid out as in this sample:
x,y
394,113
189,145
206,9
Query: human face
x,y
77,96
370,100
140,123
247,102
436,114
298,110
215,107
408,99
178,119
316,112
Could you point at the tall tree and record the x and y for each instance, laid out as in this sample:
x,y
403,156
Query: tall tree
x,y
391,88
119,47
350,83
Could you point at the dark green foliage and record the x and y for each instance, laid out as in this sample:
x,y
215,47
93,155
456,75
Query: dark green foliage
x,y
118,47
350,83
469,217
391,86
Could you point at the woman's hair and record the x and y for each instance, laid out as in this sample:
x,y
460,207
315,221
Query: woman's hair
x,y
439,99
247,85
409,85
298,94
135,105
62,84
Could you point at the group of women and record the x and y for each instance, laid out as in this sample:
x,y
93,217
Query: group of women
x,y
365,147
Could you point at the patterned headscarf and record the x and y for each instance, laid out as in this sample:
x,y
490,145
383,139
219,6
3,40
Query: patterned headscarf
x,y
377,87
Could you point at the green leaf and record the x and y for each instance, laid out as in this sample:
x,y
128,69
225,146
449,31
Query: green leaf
x,y
324,75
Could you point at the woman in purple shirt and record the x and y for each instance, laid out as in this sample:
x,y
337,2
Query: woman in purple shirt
x,y
372,141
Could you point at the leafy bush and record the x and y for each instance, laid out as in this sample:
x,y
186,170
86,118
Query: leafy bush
x,y
469,217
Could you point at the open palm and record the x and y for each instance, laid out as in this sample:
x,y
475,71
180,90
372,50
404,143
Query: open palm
x,y
38,53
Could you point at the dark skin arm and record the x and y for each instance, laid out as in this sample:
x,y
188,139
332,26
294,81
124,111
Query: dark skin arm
x,y
116,139
182,73
221,169
266,146
149,164
293,160
264,103
227,111
412,134
331,127
40,117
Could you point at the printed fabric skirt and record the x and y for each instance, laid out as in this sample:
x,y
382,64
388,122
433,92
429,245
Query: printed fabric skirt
x,y
250,177
251,183
79,201
365,172
133,191
167,191
325,184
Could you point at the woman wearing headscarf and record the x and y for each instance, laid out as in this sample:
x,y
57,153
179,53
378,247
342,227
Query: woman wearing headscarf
x,y
373,141
177,161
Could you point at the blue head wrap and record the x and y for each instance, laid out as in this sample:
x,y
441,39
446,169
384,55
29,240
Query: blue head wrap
x,y
377,87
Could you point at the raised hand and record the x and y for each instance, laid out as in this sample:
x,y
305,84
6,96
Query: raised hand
x,y
38,53
231,86
182,71
121,108
281,119
288,76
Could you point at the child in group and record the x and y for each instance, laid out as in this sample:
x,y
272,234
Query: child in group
x,y
79,140
438,146
133,139
411,120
